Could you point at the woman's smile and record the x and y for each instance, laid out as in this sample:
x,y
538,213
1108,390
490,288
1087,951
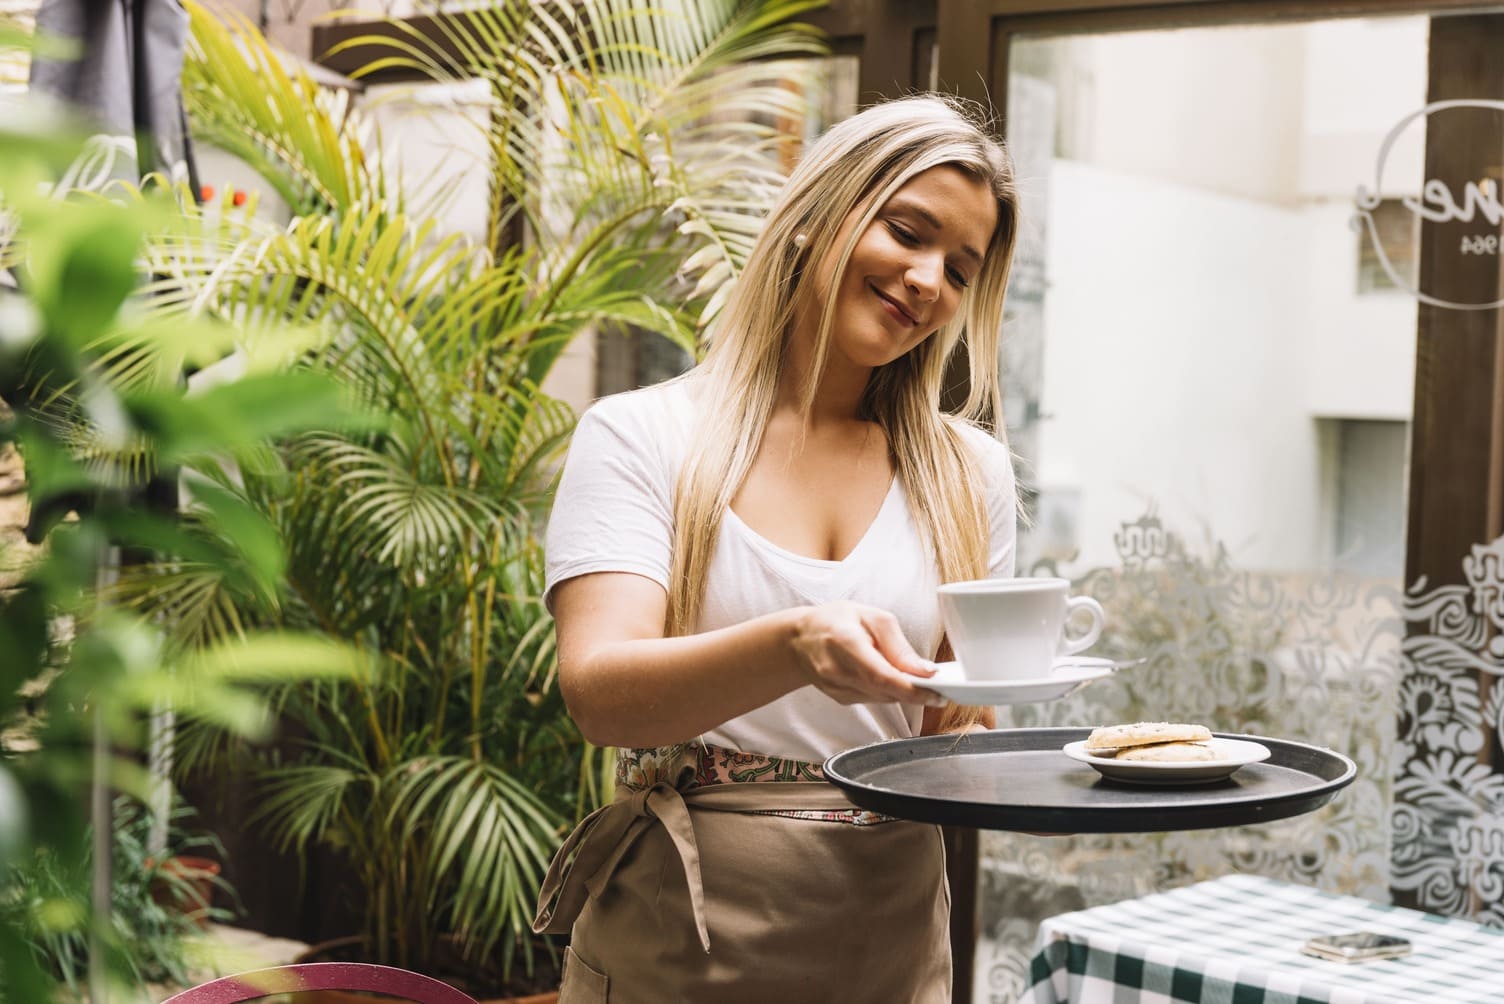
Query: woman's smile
x,y
896,309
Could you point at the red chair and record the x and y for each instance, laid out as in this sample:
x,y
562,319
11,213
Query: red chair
x,y
322,976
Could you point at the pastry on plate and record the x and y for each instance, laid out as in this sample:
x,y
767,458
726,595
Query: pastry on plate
x,y
1111,740
1169,753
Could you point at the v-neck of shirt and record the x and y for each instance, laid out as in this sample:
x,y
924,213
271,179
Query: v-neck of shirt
x,y
768,547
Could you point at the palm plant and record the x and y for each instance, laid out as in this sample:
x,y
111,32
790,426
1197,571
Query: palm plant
x,y
624,152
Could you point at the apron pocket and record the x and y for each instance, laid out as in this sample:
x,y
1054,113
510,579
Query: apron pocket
x,y
581,984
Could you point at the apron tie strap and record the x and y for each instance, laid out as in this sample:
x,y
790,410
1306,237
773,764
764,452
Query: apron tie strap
x,y
591,854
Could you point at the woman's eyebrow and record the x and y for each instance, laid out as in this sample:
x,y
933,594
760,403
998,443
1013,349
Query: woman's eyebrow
x,y
934,221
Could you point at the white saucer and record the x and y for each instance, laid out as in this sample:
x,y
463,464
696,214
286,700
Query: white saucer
x,y
1232,754
1068,674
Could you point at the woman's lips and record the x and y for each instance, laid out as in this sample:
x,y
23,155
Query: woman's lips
x,y
895,309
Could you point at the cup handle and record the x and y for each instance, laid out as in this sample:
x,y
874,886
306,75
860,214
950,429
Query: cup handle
x,y
1069,645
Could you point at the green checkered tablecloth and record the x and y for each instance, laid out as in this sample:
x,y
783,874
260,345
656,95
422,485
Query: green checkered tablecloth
x,y
1236,940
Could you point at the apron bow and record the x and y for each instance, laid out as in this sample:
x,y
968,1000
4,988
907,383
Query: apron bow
x,y
585,863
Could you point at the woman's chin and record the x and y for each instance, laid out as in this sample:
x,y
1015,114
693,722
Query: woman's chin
x,y
874,353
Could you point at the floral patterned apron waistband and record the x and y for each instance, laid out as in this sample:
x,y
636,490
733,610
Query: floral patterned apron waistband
x,y
637,769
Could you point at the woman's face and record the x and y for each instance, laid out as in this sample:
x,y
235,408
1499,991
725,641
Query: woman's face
x,y
909,269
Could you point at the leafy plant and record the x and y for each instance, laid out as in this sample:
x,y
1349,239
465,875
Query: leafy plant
x,y
91,384
153,906
629,148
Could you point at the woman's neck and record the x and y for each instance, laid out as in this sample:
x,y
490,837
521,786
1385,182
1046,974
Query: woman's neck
x,y
838,395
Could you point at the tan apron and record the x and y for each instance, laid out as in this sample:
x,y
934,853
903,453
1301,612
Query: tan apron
x,y
712,893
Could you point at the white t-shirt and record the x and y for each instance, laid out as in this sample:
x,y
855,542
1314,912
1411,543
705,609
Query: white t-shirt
x,y
614,512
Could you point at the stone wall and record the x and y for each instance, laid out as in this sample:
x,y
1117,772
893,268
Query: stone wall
x,y
13,547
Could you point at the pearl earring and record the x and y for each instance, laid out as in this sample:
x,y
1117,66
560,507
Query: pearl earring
x,y
800,240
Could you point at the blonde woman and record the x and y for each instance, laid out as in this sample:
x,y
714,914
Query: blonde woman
x,y
742,565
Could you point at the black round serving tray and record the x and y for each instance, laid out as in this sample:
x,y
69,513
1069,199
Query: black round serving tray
x,y
1018,779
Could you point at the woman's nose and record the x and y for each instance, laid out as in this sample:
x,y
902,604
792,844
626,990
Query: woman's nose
x,y
924,276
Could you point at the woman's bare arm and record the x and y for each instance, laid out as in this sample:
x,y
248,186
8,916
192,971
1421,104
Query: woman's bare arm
x,y
627,685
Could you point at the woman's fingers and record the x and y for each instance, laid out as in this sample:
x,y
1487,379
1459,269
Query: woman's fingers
x,y
858,655
889,640
869,671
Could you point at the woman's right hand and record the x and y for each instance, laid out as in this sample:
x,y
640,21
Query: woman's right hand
x,y
858,654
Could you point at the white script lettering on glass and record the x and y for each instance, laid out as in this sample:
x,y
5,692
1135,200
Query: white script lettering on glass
x,y
1438,204
1476,196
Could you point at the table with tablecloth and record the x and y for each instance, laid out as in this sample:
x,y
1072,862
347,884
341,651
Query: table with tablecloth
x,y
1237,940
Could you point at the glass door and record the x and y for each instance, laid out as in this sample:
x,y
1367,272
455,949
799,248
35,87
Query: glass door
x,y
1210,369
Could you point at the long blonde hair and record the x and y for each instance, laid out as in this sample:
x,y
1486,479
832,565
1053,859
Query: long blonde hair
x,y
854,167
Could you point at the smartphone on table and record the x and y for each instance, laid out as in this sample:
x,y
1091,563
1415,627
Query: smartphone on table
x,y
1357,946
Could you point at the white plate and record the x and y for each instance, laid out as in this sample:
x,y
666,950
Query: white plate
x,y
1068,674
1232,754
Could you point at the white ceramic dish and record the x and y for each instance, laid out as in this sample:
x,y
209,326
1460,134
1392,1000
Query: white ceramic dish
x,y
1069,674
1232,754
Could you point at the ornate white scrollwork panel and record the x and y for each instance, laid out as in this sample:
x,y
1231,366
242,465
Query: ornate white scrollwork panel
x,y
1448,815
1312,657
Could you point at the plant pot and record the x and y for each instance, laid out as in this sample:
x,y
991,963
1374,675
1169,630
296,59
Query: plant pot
x,y
198,874
350,949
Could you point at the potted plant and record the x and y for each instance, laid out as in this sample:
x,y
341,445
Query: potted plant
x,y
156,907
184,873
624,151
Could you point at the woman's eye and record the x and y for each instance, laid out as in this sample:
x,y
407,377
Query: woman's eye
x,y
904,234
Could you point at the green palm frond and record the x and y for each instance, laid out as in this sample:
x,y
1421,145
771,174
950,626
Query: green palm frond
x,y
242,97
535,429
534,658
407,309
611,111
302,802
486,830
361,277
114,455
389,512
597,779
605,290
517,44
195,597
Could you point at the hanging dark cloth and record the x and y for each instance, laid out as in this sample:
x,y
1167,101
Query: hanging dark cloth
x,y
126,84
127,80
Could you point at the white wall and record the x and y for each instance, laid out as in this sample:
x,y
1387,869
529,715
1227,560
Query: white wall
x,y
1172,364
225,172
1202,310
1361,77
1215,109
1272,112
1359,351
434,134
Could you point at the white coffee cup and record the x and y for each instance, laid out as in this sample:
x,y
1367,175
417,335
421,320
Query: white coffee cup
x,y
1014,629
